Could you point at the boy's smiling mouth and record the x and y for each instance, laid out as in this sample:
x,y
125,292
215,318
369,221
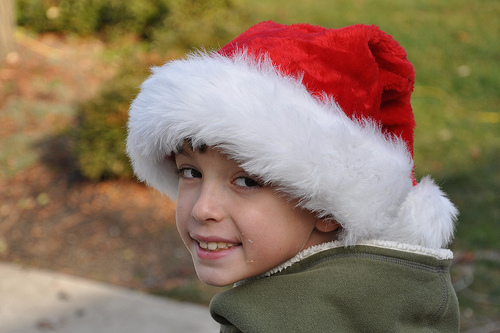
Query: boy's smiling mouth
x,y
216,246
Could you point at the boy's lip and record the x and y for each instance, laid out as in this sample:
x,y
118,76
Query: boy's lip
x,y
214,239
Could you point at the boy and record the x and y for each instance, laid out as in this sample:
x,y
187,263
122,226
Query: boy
x,y
289,152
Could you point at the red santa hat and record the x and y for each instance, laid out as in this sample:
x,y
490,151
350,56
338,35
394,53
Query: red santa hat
x,y
323,114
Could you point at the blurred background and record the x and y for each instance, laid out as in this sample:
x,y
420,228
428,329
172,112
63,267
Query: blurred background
x,y
69,69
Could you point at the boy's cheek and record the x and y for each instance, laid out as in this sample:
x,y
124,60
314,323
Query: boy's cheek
x,y
180,221
183,233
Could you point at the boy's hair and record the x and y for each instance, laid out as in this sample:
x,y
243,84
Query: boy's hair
x,y
322,114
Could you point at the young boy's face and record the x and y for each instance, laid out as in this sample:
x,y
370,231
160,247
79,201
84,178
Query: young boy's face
x,y
234,227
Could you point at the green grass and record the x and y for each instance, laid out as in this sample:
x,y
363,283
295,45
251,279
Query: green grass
x,y
18,150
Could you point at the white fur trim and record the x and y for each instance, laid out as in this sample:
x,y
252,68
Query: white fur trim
x,y
276,130
441,254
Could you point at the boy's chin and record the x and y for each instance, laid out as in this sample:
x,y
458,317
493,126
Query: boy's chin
x,y
218,279
215,282
208,283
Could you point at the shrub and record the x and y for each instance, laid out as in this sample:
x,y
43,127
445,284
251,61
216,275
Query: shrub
x,y
86,17
195,23
180,23
101,128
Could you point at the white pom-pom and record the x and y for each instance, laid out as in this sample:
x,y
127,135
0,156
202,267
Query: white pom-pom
x,y
427,217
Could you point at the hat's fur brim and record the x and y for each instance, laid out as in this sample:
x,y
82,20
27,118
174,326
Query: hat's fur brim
x,y
338,167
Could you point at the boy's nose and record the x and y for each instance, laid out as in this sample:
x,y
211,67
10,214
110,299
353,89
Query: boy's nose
x,y
208,206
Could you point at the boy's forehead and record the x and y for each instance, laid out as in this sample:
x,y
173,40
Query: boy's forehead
x,y
188,150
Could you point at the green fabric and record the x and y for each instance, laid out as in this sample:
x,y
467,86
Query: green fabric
x,y
357,289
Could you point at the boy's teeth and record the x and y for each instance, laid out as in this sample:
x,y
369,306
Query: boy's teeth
x,y
215,246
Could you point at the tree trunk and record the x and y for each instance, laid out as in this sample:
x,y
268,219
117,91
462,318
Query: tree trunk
x,y
6,28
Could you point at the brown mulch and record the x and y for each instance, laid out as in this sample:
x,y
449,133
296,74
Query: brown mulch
x,y
115,231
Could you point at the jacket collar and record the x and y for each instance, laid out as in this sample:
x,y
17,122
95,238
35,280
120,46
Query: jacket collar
x,y
441,254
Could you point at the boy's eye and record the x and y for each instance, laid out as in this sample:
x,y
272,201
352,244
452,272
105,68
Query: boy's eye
x,y
189,173
246,182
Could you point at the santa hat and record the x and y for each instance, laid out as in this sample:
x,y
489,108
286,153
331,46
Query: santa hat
x,y
323,114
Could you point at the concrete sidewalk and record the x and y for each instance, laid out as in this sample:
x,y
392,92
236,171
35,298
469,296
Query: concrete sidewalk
x,y
34,301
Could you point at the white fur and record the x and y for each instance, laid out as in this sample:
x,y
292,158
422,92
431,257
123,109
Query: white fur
x,y
276,130
440,254
426,217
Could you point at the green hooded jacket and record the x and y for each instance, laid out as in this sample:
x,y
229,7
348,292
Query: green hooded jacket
x,y
365,288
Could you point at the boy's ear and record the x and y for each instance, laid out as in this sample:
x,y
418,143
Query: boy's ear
x,y
327,225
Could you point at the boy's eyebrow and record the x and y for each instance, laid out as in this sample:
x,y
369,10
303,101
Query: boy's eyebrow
x,y
201,149
183,151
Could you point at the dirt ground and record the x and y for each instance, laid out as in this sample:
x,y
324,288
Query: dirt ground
x,y
115,231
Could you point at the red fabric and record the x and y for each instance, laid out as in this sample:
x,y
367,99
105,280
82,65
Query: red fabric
x,y
361,67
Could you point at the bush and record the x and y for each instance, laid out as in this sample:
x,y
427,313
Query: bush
x,y
101,129
86,17
196,23
180,23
